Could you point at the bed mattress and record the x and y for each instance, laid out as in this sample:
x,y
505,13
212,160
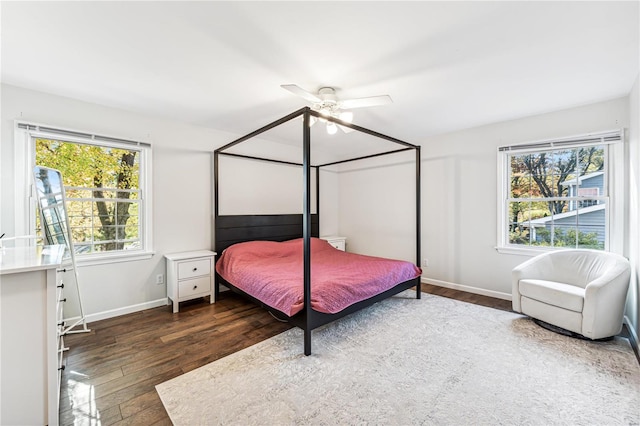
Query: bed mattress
x,y
272,272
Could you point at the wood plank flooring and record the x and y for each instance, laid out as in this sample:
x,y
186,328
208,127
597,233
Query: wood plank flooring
x,y
111,372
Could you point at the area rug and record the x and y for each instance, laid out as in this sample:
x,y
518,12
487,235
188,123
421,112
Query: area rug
x,y
405,361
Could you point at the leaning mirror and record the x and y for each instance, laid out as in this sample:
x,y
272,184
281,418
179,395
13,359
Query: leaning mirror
x,y
54,223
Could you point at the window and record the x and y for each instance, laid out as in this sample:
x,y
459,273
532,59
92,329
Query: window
x,y
107,189
556,193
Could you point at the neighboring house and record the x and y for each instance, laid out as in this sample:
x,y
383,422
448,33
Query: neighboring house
x,y
591,185
587,215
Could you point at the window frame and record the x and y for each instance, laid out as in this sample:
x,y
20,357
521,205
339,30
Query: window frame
x,y
613,187
25,204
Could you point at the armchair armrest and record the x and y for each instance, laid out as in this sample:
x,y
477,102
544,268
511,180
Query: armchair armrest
x,y
604,302
536,267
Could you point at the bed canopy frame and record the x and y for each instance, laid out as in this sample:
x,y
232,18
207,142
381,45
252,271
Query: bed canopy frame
x,y
231,229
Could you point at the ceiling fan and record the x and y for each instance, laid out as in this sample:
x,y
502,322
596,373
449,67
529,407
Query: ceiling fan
x,y
327,104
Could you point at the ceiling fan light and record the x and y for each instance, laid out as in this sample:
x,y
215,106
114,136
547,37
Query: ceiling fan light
x,y
332,128
346,116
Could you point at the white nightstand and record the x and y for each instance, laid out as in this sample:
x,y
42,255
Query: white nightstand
x,y
338,242
190,275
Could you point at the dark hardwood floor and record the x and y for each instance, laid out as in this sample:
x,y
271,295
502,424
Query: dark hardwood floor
x,y
463,296
111,372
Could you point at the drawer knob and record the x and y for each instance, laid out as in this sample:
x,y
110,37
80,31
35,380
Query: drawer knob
x,y
195,286
61,368
62,324
61,285
195,269
63,300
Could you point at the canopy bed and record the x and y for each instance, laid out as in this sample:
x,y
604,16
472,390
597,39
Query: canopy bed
x,y
250,243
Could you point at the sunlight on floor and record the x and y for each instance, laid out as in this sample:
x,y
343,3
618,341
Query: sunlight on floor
x,y
82,401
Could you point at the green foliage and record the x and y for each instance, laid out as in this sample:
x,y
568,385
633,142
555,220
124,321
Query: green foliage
x,y
103,171
567,239
84,165
519,235
522,212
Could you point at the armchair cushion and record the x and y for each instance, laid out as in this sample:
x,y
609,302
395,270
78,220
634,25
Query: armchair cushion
x,y
564,296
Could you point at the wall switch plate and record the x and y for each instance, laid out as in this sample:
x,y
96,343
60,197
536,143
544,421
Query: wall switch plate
x,y
425,262
160,279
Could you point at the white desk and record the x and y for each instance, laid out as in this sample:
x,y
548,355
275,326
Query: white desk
x,y
30,352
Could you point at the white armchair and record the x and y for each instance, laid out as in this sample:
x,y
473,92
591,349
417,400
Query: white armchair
x,y
583,291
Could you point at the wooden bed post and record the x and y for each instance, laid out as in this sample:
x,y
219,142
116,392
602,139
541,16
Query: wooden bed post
x,y
306,227
418,231
216,213
317,170
216,177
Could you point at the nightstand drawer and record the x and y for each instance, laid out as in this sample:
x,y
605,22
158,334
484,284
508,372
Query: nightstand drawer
x,y
194,286
339,244
194,268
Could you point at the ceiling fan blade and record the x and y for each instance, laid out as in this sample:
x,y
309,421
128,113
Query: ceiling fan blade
x,y
298,91
366,102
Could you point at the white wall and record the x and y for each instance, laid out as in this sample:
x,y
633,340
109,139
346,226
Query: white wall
x,y
459,197
377,211
260,187
633,300
376,197
182,191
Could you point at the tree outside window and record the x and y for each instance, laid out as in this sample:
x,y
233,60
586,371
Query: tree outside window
x,y
102,186
557,197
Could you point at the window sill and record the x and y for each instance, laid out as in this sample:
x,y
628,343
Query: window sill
x,y
532,251
522,251
104,259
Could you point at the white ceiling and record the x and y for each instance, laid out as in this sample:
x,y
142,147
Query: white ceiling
x,y
447,65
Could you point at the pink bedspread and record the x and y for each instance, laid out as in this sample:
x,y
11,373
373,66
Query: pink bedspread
x,y
273,273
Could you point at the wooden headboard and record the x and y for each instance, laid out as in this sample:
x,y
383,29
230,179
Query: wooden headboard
x,y
232,229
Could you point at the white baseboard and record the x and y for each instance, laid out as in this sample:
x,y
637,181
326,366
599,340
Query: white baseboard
x,y
632,331
468,289
121,311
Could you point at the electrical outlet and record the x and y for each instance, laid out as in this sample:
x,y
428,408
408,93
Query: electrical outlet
x,y
160,279
425,262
